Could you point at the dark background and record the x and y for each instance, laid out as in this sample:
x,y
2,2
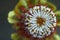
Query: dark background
x,y
5,7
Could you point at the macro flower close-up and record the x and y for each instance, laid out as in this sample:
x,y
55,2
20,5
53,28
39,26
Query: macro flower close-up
x,y
34,20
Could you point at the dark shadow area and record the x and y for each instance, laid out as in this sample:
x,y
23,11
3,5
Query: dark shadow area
x,y
5,27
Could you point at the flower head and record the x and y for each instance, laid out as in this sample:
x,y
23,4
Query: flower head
x,y
41,21
37,20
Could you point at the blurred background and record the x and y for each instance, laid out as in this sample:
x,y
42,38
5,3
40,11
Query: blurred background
x,y
5,7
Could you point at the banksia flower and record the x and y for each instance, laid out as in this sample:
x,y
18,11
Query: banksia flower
x,y
34,20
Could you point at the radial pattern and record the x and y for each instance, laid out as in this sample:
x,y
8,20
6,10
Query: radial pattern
x,y
41,21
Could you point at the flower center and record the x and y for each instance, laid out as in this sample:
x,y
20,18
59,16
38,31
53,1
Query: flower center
x,y
40,21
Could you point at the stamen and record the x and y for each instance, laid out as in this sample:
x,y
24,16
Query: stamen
x,y
40,21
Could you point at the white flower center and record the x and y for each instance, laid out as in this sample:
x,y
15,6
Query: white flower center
x,y
41,22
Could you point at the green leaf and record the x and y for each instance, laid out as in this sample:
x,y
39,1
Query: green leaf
x,y
23,3
43,1
57,15
35,2
56,37
57,12
52,6
14,36
11,17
